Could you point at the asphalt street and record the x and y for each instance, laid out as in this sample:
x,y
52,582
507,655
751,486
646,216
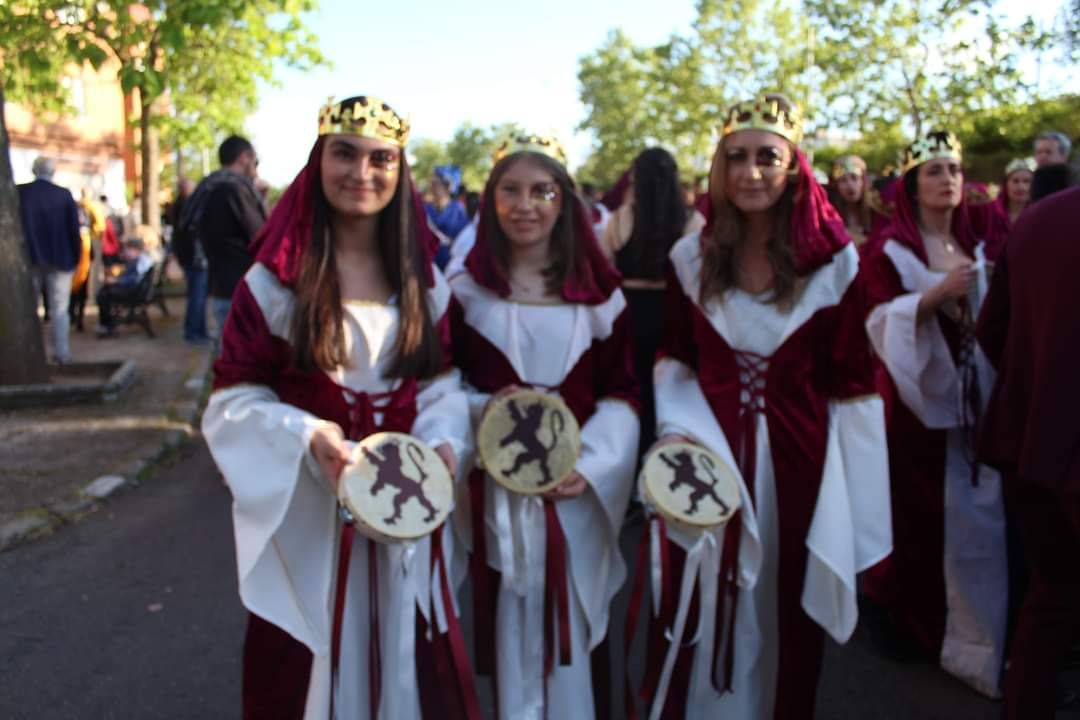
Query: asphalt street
x,y
132,612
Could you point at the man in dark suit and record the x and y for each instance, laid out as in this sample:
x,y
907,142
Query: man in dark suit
x,y
50,220
1029,330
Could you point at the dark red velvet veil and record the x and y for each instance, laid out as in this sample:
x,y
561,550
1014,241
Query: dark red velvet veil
x,y
280,243
593,282
817,230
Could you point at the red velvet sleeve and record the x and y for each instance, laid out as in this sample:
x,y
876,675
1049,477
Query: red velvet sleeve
x,y
993,324
615,376
249,354
845,362
444,331
677,341
881,282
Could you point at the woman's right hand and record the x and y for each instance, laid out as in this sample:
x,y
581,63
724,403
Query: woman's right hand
x,y
956,284
331,455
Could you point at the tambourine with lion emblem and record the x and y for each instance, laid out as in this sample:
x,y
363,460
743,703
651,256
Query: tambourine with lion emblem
x,y
689,486
396,489
529,441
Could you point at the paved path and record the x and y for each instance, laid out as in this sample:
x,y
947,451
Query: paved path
x,y
133,613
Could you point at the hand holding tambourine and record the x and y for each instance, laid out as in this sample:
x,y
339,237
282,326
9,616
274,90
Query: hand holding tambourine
x,y
688,485
529,443
396,488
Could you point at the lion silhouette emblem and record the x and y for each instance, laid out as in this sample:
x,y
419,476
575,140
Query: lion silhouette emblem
x,y
682,463
526,431
389,472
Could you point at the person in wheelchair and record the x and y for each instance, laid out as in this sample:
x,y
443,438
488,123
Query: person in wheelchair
x,y
123,288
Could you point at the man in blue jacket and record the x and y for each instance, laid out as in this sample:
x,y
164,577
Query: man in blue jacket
x,y
50,220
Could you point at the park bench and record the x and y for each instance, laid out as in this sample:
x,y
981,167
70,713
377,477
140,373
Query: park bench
x,y
134,309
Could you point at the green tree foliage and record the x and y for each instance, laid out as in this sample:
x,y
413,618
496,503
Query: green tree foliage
x,y
674,94
201,57
470,148
918,63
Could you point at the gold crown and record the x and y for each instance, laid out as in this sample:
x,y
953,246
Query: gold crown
x,y
1027,163
765,113
364,116
848,165
544,144
937,144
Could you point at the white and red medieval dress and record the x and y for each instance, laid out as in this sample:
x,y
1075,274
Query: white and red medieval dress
x,y
390,632
947,581
545,571
785,394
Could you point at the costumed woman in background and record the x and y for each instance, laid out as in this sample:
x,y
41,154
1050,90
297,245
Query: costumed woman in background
x,y
338,331
946,583
1014,197
849,192
539,307
446,214
764,363
637,240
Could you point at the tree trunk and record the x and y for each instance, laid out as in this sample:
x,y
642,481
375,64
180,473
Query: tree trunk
x,y
151,181
22,359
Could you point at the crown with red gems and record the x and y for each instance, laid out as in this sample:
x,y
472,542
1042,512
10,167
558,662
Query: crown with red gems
x,y
522,142
765,113
935,145
365,116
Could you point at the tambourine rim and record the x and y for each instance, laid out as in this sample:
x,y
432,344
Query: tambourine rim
x,y
571,421
376,439
680,517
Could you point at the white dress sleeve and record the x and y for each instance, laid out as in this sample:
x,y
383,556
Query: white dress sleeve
x,y
443,413
916,353
852,525
284,517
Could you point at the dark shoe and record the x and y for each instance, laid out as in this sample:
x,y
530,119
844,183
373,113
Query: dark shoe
x,y
106,331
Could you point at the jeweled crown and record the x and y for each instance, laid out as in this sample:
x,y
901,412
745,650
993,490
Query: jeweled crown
x,y
1017,164
848,165
935,145
765,113
365,116
521,142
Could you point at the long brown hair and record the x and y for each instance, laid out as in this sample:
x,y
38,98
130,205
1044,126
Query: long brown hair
x,y
727,235
563,236
318,329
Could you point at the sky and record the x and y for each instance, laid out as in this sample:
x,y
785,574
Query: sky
x,y
442,64
481,61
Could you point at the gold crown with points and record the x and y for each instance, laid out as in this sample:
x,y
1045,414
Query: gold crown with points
x,y
848,165
544,144
364,116
936,145
1018,164
765,113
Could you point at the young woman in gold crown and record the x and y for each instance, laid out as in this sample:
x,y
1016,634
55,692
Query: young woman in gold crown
x,y
1014,196
764,363
946,583
539,307
338,331
849,192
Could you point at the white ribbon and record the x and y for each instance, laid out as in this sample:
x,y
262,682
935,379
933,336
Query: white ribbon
x,y
657,566
703,554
